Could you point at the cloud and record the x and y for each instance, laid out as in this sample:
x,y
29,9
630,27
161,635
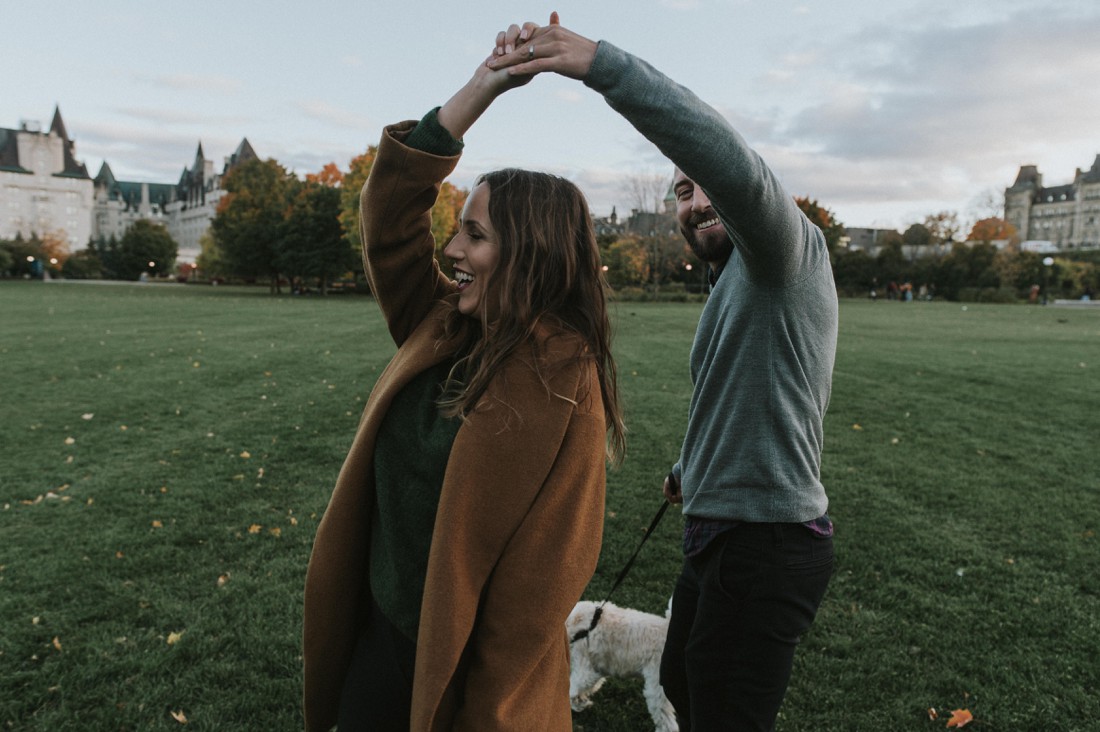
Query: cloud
x,y
194,82
935,111
570,96
956,93
329,114
181,116
145,153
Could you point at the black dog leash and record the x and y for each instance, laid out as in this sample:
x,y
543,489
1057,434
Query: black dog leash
x,y
622,575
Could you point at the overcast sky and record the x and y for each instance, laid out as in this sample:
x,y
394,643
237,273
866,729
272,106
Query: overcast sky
x,y
885,110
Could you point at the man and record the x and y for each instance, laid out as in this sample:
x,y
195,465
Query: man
x,y
757,540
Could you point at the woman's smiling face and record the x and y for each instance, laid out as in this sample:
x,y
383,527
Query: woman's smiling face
x,y
474,252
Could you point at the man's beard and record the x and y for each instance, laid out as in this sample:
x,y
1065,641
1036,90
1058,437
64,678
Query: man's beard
x,y
712,245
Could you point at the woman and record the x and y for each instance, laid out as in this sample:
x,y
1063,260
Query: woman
x,y
467,518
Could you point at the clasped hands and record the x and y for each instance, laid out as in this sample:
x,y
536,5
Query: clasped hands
x,y
530,49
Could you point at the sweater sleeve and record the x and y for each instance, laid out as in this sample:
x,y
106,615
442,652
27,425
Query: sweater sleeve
x,y
432,137
762,218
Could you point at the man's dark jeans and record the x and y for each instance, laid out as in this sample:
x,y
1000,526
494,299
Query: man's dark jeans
x,y
738,612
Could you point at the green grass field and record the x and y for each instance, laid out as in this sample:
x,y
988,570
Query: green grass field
x,y
167,451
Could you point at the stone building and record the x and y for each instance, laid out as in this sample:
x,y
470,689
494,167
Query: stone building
x,y
185,208
865,239
118,204
44,190
1067,215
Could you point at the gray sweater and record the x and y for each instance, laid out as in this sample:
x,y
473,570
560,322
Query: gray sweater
x,y
762,360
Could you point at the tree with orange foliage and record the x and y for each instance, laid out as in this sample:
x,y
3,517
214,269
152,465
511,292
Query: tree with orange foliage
x,y
824,219
445,214
992,229
330,176
358,171
55,248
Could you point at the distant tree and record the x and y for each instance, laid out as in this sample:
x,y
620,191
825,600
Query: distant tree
x,y
666,255
312,242
967,266
989,204
53,247
1019,270
145,247
330,176
445,215
992,229
855,272
211,260
627,262
943,227
106,250
26,256
917,235
646,191
890,262
824,219
445,212
249,219
6,259
83,265
358,172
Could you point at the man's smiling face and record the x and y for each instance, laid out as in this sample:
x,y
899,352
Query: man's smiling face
x,y
699,222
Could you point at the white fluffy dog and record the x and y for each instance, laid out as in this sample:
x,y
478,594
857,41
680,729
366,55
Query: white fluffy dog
x,y
624,643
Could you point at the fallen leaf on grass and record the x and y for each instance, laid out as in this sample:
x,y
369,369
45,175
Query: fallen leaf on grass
x,y
174,638
57,643
857,427
179,717
87,416
276,531
254,529
933,714
246,454
960,718
70,441
157,524
223,579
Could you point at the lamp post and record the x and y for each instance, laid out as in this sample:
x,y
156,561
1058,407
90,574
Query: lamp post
x,y
1048,262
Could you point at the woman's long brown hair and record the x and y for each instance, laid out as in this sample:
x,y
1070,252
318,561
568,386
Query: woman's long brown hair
x,y
548,274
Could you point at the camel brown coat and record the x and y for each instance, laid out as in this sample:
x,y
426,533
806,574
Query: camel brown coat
x,y
520,517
